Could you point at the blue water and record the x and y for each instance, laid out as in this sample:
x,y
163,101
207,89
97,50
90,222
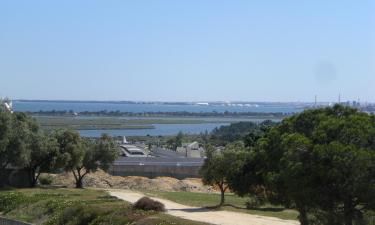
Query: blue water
x,y
160,129
126,107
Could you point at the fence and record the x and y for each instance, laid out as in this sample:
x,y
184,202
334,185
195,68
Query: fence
x,y
5,221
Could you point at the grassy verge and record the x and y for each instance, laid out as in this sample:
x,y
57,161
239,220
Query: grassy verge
x,y
233,203
74,207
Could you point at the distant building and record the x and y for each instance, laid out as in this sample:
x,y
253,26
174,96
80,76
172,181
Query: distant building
x,y
6,104
127,150
191,150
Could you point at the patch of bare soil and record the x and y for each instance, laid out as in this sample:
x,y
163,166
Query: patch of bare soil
x,y
101,179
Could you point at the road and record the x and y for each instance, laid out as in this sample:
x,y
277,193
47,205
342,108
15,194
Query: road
x,y
205,215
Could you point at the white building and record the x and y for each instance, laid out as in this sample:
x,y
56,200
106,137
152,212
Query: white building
x,y
131,151
6,104
192,150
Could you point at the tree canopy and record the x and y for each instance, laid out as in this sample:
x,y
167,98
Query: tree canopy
x,y
321,162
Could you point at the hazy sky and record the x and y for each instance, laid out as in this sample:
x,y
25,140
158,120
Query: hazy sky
x,y
191,50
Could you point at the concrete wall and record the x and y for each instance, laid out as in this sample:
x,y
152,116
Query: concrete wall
x,y
152,171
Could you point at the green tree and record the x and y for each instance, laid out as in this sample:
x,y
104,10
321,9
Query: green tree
x,y
219,167
43,157
176,141
83,156
16,131
321,162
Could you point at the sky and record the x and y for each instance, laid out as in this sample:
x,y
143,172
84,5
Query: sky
x,y
188,50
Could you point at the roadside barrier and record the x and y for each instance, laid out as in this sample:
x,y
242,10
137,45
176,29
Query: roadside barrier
x,y
5,221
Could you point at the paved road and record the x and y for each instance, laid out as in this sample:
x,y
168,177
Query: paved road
x,y
204,215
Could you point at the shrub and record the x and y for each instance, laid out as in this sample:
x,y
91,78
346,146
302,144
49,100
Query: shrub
x,y
11,200
78,215
46,179
255,202
146,203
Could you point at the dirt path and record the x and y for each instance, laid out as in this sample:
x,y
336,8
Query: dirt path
x,y
204,215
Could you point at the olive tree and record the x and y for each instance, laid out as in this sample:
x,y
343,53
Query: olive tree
x,y
44,153
83,156
15,140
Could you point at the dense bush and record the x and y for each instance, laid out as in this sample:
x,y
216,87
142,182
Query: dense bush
x,y
239,131
46,179
146,203
255,202
10,201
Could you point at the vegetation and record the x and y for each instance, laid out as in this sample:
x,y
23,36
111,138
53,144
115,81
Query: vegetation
x,y
233,203
83,156
75,207
175,141
25,147
148,204
320,162
106,123
239,131
46,179
162,114
219,167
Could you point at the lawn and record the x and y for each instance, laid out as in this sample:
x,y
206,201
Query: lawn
x,y
233,203
62,206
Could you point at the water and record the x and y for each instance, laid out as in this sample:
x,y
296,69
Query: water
x,y
23,106
160,129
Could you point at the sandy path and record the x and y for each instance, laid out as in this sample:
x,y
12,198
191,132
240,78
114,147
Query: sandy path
x,y
204,215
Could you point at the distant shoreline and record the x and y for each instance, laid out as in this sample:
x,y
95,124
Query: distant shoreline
x,y
263,115
268,103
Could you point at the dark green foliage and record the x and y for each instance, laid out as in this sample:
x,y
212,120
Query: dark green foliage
x,y
220,168
147,204
46,179
83,156
247,131
321,162
67,206
23,145
176,141
9,201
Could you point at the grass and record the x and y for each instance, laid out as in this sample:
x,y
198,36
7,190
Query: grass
x,y
233,203
60,206
113,123
106,123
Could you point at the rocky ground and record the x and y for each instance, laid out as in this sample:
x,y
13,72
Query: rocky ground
x,y
100,179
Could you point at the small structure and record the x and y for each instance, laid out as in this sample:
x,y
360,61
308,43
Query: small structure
x,y
127,150
191,150
6,104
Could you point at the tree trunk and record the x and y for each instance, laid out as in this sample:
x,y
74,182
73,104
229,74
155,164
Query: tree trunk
x,y
222,193
348,212
302,214
32,178
79,177
79,183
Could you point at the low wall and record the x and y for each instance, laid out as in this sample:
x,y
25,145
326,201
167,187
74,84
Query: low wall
x,y
5,221
152,171
152,167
